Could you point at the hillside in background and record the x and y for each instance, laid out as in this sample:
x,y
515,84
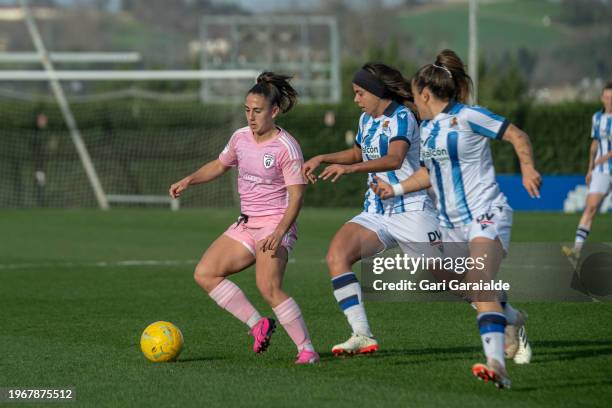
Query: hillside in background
x,y
503,26
554,40
525,45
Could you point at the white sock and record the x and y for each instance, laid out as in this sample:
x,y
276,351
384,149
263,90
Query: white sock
x,y
582,234
492,326
347,292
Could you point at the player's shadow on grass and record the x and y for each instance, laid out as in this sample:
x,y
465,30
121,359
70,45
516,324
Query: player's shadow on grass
x,y
547,351
441,353
565,384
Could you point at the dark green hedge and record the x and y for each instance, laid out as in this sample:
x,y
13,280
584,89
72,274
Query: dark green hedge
x,y
560,134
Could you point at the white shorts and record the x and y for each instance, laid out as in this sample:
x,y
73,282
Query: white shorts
x,y
601,183
494,223
416,232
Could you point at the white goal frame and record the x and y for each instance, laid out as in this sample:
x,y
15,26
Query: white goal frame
x,y
54,77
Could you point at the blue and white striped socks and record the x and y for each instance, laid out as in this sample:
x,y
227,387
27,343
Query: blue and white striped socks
x,y
347,292
492,326
582,234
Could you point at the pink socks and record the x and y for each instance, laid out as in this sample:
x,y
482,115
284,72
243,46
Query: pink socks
x,y
231,298
290,316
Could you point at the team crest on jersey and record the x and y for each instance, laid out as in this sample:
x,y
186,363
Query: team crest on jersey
x,y
454,122
386,129
268,160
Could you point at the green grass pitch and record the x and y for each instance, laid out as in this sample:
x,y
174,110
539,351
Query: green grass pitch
x,y
73,307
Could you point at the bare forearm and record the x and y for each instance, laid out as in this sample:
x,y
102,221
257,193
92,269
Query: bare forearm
x,y
296,200
532,181
419,180
347,156
385,163
522,145
208,172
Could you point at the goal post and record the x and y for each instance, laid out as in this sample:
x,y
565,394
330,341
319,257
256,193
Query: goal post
x,y
139,141
122,165
75,134
34,144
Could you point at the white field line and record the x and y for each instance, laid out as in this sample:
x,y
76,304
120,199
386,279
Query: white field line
x,y
115,264
99,264
191,262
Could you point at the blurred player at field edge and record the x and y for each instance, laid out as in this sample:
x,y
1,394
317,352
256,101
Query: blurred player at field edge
x,y
599,174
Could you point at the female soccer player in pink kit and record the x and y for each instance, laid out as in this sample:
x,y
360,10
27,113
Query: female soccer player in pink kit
x,y
271,188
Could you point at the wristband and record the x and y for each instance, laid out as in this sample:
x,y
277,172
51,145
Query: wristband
x,y
398,190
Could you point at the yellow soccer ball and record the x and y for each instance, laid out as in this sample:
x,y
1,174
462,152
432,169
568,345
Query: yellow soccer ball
x,y
161,341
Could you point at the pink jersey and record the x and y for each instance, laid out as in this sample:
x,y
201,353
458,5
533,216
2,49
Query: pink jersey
x,y
264,170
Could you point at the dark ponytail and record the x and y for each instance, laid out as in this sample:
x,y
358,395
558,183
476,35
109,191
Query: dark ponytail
x,y
446,77
276,89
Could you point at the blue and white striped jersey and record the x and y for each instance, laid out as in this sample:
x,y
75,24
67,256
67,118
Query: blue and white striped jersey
x,y
455,149
373,137
602,132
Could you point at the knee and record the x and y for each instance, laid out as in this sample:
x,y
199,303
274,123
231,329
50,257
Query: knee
x,y
336,261
204,279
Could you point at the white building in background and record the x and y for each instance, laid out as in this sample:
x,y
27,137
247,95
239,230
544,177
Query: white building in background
x,y
586,90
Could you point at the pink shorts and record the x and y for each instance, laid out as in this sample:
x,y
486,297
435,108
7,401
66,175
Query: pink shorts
x,y
259,228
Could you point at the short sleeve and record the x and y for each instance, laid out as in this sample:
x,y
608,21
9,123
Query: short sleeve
x,y
595,132
290,163
228,156
485,123
405,127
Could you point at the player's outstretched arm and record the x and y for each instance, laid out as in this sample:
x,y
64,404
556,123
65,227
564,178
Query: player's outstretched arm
x,y
522,147
391,161
296,200
204,174
419,180
348,156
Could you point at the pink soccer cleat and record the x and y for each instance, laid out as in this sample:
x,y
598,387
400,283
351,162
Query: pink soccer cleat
x,y
307,357
262,332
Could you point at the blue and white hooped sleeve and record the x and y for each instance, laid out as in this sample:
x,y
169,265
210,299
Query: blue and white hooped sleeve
x,y
484,122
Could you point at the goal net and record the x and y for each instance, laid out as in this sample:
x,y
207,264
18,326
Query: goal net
x,y
139,143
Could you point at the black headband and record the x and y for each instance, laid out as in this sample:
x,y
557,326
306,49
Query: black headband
x,y
370,83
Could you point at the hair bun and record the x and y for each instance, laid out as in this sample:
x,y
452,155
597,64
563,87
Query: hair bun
x,y
265,77
276,88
